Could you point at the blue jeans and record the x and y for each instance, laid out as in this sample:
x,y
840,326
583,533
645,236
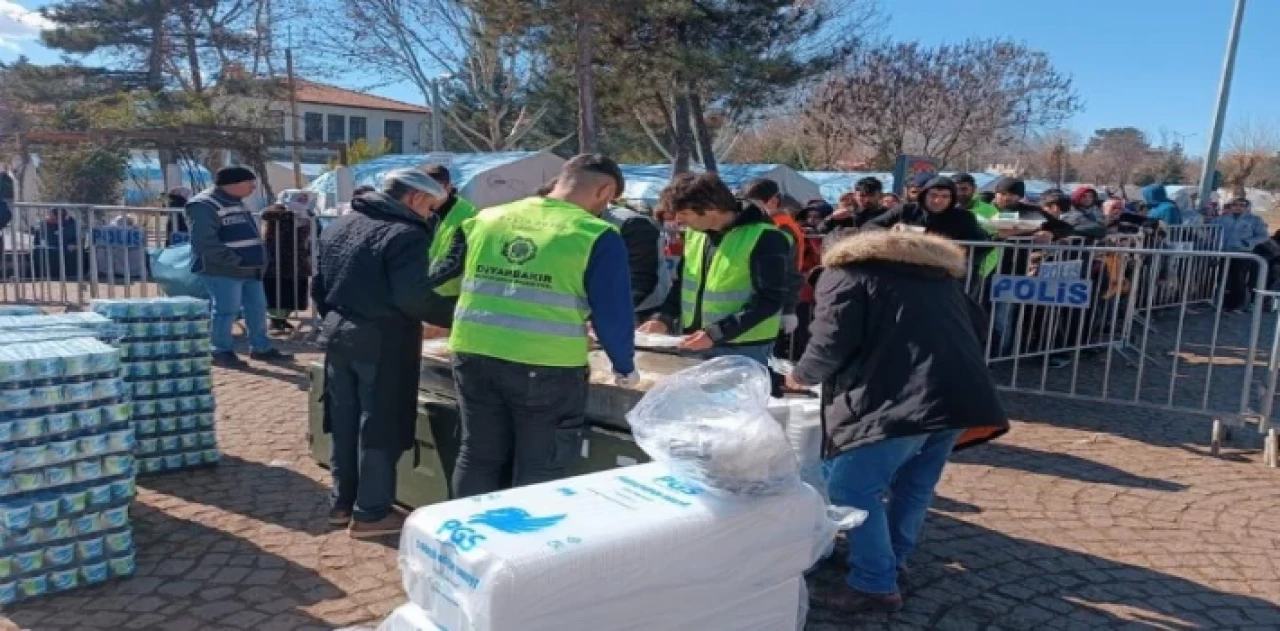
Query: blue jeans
x,y
364,479
760,352
905,469
230,296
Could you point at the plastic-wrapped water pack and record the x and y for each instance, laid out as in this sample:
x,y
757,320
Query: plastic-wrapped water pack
x,y
711,424
19,310
632,549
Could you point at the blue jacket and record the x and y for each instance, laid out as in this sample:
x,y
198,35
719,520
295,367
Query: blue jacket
x,y
1160,207
1241,233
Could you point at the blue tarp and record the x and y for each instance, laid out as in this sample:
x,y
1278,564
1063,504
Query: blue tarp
x,y
144,179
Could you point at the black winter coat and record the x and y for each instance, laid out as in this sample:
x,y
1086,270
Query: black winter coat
x,y
373,292
896,344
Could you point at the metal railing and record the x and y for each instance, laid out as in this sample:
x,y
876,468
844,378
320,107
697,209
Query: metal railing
x,y
66,255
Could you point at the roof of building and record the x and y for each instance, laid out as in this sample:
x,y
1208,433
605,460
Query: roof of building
x,y
324,94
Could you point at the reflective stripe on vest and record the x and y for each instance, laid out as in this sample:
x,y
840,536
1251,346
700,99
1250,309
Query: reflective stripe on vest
x,y
727,286
522,296
462,210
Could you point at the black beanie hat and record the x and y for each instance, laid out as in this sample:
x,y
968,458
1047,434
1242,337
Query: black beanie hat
x,y
1011,185
227,176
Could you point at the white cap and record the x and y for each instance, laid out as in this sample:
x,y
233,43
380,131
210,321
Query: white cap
x,y
415,179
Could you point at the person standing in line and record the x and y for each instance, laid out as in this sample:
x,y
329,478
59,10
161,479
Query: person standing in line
x,y
967,191
804,257
372,290
229,257
1242,232
176,222
650,276
536,271
857,208
896,345
455,211
733,274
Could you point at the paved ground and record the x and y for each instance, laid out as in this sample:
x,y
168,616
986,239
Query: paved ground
x,y
1085,516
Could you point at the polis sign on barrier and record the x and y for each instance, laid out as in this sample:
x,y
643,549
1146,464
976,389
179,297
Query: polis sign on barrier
x,y
1052,291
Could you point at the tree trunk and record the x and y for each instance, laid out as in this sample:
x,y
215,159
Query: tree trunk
x,y
155,57
587,131
683,136
706,146
193,53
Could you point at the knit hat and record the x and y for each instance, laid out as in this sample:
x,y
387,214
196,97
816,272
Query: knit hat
x,y
1011,185
227,176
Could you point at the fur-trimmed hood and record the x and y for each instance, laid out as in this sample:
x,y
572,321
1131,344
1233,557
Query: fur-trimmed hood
x,y
906,248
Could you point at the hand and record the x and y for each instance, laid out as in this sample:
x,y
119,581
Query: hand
x,y
842,213
699,341
1043,236
792,385
789,323
433,332
900,227
626,381
657,327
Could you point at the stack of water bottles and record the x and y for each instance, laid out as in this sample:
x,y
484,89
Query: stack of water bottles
x,y
19,310
101,327
66,467
165,348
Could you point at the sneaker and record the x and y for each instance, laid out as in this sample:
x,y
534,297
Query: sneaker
x,y
389,525
228,360
340,517
848,600
270,355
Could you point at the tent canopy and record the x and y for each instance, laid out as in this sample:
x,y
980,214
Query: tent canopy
x,y
485,179
646,181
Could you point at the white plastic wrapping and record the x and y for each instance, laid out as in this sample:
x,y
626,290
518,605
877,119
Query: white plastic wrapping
x,y
633,549
711,423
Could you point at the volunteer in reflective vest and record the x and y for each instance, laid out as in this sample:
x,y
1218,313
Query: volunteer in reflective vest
x,y
650,276
450,216
733,276
228,255
768,196
536,272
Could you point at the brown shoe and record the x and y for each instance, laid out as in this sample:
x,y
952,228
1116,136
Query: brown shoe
x,y
848,600
389,525
340,517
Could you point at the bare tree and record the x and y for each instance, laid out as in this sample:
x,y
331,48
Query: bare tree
x,y
1114,155
944,101
1250,145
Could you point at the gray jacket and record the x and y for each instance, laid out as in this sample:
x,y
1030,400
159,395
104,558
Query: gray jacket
x,y
1241,233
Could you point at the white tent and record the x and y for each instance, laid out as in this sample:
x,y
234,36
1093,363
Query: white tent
x,y
280,174
646,181
485,179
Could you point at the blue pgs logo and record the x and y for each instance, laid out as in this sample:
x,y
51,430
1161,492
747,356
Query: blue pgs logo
x,y
514,521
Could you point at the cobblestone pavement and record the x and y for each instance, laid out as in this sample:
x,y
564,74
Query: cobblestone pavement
x,y
1085,516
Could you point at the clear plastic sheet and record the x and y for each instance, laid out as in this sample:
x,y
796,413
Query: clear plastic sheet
x,y
711,424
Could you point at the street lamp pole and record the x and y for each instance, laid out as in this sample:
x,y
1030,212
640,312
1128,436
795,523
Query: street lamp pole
x,y
437,113
1220,114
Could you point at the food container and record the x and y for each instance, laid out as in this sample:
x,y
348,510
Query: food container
x,y
90,549
60,423
93,445
74,502
60,451
88,470
99,496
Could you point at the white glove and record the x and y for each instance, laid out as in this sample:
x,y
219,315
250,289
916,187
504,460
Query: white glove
x,y
626,381
789,323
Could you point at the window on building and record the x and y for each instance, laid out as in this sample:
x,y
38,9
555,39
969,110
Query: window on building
x,y
359,128
337,128
312,127
393,131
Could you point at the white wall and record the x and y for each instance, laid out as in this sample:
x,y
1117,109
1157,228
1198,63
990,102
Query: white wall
x,y
415,140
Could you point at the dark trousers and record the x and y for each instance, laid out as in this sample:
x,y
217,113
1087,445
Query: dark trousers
x,y
1240,281
364,479
529,420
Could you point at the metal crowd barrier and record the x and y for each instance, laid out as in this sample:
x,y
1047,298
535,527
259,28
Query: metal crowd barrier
x,y
66,255
1078,322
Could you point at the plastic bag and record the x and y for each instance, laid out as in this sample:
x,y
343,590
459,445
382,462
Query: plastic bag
x,y
711,424
171,271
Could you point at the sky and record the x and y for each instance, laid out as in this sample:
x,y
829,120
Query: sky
x,y
1151,64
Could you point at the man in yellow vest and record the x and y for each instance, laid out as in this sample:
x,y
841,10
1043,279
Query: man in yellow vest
x,y
733,276
535,272
447,243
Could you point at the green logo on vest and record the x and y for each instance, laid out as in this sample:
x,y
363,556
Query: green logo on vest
x,y
520,250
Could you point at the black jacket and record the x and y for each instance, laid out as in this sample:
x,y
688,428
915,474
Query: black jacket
x,y
373,291
854,221
896,344
954,223
770,262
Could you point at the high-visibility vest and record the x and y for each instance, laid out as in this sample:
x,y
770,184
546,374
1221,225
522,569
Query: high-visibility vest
x,y
524,297
726,288
462,210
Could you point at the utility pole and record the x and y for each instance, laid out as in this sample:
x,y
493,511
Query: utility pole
x,y
293,117
437,128
1220,113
